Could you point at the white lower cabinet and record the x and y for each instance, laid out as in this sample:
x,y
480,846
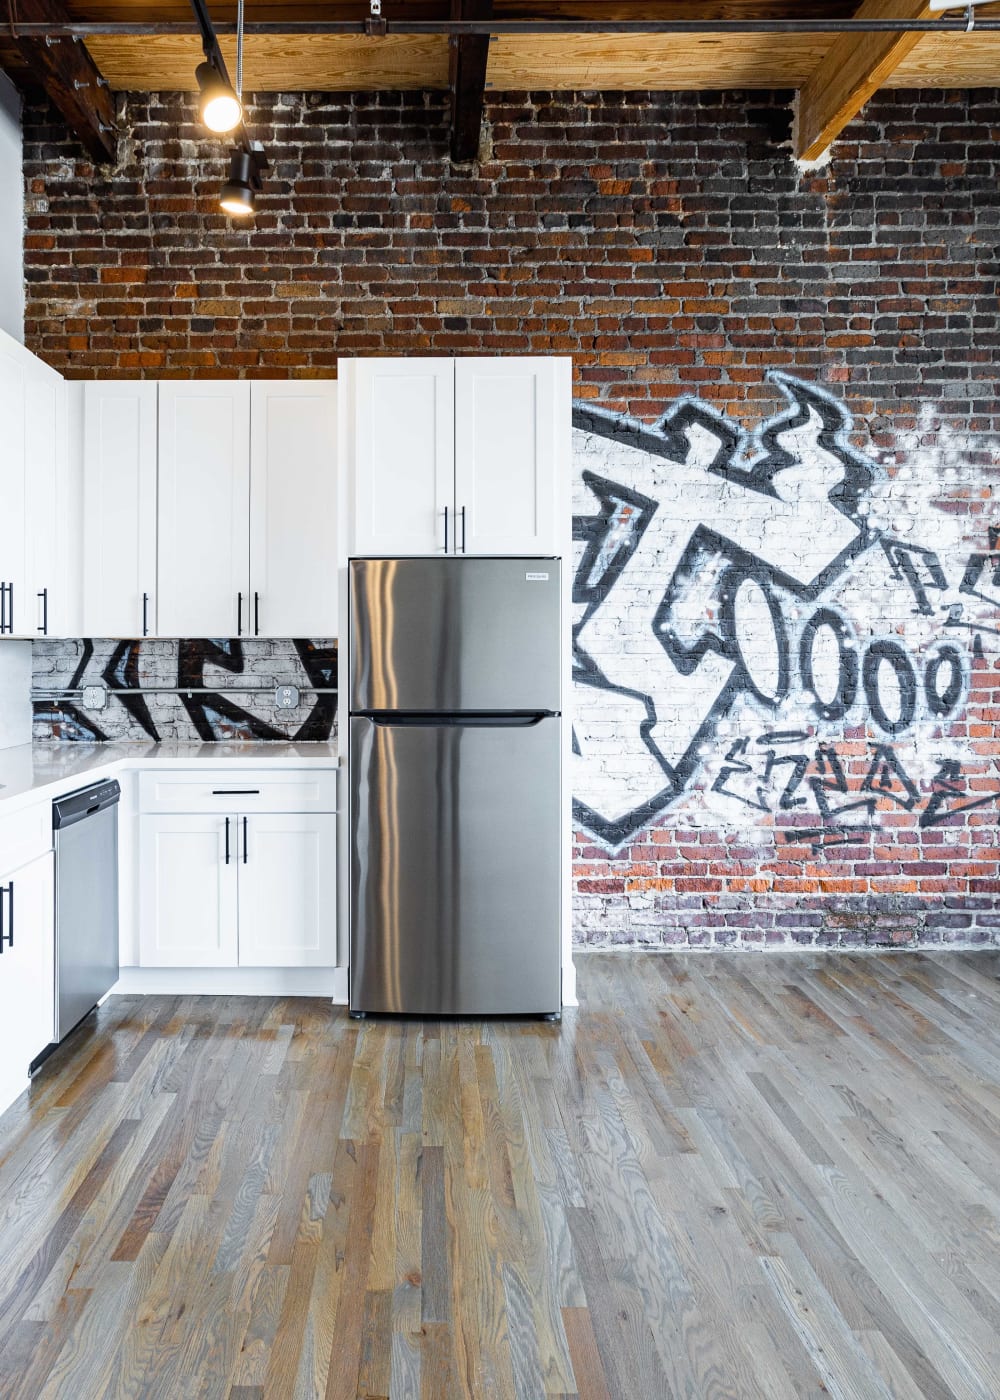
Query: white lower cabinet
x,y
238,890
27,977
187,891
288,891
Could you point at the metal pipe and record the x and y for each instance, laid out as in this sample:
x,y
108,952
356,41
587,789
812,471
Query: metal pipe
x,y
503,28
65,694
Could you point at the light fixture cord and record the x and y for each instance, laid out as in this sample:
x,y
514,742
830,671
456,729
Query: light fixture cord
x,y
239,49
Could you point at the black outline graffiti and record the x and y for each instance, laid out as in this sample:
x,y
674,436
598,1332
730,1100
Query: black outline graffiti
x,y
904,560
848,664
754,461
938,704
214,716
898,658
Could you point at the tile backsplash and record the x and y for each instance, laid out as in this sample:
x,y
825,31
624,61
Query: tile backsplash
x,y
169,689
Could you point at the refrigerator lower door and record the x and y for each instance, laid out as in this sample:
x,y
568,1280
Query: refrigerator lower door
x,y
455,867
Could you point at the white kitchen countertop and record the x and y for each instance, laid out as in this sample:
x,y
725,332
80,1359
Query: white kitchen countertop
x,y
40,772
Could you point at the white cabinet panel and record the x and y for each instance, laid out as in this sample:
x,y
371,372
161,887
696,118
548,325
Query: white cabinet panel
x,y
404,435
293,508
288,891
506,455
27,979
245,790
188,891
13,577
45,606
119,509
203,563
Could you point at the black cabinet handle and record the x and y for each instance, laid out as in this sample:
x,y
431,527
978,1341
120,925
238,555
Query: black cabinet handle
x,y
3,607
463,529
236,792
145,614
7,934
256,614
227,840
239,614
446,529
244,840
44,595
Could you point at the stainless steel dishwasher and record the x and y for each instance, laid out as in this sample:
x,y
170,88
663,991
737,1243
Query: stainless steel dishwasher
x,y
85,827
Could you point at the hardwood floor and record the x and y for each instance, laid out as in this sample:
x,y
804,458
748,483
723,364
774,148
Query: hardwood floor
x,y
729,1175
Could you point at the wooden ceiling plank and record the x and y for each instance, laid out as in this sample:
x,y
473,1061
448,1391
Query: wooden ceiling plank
x,y
468,57
853,69
71,80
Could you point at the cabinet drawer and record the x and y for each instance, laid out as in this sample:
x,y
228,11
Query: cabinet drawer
x,y
249,790
24,835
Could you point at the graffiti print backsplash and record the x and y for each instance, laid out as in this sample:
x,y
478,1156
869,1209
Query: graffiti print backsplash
x,y
772,630
145,672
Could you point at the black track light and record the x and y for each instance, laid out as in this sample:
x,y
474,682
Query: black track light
x,y
220,109
239,194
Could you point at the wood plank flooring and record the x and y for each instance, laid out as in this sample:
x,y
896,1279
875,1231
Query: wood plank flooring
x,y
733,1175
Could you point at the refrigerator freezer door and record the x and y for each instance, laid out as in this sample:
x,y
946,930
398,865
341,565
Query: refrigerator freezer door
x,y
454,635
455,857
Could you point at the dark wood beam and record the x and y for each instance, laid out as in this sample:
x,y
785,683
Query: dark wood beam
x,y
469,55
69,77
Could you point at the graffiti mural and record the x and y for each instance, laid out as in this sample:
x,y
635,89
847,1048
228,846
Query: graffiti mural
x,y
745,602
186,689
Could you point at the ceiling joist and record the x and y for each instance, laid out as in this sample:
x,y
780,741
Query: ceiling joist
x,y
467,60
852,71
64,69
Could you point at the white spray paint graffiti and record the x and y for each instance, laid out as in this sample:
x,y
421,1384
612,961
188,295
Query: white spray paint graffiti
x,y
741,598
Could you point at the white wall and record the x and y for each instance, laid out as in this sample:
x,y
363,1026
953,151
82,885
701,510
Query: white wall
x,y
11,213
15,693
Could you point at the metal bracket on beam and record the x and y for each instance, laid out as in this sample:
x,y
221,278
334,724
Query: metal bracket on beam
x,y
375,24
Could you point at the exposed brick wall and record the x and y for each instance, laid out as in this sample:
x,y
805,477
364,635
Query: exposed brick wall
x,y
669,244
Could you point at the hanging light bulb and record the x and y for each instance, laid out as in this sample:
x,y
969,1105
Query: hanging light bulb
x,y
220,109
238,196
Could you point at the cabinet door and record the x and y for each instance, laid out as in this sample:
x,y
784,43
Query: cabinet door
x,y
293,509
13,580
119,509
404,456
27,979
45,601
288,891
187,891
506,457
203,555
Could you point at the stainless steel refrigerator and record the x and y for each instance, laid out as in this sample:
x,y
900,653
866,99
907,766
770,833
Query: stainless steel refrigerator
x,y
454,684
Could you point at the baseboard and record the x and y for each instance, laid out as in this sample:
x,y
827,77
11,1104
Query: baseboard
x,y
569,984
234,982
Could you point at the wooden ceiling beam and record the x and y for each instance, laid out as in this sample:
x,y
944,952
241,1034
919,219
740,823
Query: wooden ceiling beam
x,y
70,78
854,67
467,59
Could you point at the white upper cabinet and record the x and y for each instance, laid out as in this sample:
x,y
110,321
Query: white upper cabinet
x,y
203,563
33,573
404,445
454,456
506,445
119,509
13,574
293,509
